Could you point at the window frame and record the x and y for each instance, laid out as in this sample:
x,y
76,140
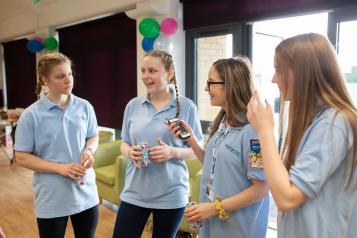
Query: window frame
x,y
242,45
337,16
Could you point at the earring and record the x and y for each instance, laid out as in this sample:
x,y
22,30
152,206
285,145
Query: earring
x,y
44,89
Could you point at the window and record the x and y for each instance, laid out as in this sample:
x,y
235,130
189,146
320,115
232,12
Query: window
x,y
205,46
343,33
209,49
347,55
259,41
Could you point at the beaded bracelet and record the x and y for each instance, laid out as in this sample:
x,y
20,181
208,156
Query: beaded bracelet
x,y
222,215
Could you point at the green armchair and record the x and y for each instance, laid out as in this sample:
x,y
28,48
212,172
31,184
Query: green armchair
x,y
105,136
110,167
195,172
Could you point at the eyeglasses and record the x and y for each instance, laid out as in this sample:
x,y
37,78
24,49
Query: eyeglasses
x,y
212,82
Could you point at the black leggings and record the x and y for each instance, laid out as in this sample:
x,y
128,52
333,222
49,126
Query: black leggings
x,y
84,225
131,221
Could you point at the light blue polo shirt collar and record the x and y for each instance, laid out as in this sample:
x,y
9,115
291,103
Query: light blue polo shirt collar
x,y
49,105
222,129
172,101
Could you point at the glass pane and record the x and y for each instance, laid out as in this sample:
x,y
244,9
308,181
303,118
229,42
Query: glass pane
x,y
266,36
347,52
209,49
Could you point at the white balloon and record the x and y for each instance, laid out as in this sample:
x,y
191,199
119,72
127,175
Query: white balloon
x,y
163,42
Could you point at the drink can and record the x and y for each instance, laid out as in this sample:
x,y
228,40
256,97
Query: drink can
x,y
145,161
194,225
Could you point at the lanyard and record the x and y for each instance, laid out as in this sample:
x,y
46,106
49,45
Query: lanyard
x,y
222,132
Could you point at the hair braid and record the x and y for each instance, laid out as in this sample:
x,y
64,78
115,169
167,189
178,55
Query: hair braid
x,y
178,106
39,86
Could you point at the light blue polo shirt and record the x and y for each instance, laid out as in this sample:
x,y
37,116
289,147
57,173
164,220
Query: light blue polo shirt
x,y
163,185
57,135
232,175
324,154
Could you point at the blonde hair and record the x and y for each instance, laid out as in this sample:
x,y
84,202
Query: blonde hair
x,y
238,77
317,81
46,63
168,63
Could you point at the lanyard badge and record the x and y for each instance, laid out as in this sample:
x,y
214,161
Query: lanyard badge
x,y
209,187
221,134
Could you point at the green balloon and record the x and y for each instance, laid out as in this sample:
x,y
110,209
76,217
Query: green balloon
x,y
149,28
51,43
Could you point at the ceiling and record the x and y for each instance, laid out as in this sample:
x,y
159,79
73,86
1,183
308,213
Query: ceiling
x,y
11,8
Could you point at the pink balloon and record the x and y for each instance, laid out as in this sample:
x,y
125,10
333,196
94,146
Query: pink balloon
x,y
168,26
42,41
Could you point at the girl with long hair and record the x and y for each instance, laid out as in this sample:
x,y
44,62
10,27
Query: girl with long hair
x,y
314,186
233,193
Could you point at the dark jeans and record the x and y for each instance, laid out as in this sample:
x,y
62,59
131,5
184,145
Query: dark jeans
x,y
84,225
131,221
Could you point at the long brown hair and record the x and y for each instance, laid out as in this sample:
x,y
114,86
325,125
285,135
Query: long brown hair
x,y
46,63
317,80
168,63
238,77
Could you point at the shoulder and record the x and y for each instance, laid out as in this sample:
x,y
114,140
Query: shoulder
x,y
81,101
187,102
134,102
331,118
248,131
30,112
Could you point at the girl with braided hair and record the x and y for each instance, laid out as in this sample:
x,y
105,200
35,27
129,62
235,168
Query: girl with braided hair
x,y
162,187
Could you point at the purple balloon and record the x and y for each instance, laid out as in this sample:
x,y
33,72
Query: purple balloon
x,y
168,26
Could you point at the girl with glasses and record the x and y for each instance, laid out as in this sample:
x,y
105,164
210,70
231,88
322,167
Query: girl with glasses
x,y
161,187
314,186
233,193
56,137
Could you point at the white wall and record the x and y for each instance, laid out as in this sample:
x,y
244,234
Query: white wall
x,y
159,9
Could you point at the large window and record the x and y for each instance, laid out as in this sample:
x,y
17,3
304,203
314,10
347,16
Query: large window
x,y
259,41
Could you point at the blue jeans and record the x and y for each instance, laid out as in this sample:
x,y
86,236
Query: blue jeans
x,y
131,221
84,225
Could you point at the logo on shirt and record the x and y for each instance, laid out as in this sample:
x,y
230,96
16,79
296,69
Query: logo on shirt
x,y
231,149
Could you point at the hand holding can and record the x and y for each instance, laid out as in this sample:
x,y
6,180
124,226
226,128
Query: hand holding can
x,y
194,225
145,155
